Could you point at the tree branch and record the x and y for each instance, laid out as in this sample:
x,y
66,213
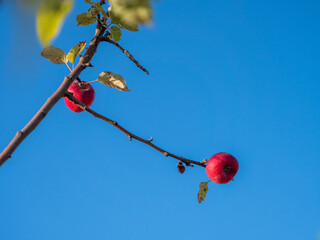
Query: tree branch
x,y
56,96
130,135
129,55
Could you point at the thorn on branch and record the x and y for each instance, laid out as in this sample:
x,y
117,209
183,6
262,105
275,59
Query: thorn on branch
x,y
204,161
150,140
166,154
130,137
189,165
19,133
87,65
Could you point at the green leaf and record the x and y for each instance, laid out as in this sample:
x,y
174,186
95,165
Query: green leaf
x,y
54,55
89,1
97,5
115,33
75,51
85,19
132,12
113,80
202,191
50,17
129,26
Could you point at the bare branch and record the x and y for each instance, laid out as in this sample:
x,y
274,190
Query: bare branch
x,y
129,55
56,96
131,136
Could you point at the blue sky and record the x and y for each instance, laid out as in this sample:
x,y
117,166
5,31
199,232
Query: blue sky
x,y
226,76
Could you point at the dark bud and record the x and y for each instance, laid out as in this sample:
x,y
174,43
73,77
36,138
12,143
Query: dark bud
x,y
181,167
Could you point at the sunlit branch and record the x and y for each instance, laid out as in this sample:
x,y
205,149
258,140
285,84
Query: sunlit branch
x,y
130,135
56,96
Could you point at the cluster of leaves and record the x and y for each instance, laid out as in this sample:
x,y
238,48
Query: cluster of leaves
x,y
120,14
58,56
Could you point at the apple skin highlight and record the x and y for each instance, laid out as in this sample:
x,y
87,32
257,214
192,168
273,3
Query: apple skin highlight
x,y
82,91
222,167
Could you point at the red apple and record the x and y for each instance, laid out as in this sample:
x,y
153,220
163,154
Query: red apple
x,y
222,167
82,91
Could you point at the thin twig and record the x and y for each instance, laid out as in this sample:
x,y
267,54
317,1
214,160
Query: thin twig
x,y
130,135
56,96
129,55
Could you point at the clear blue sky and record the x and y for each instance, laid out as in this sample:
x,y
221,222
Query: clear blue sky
x,y
234,76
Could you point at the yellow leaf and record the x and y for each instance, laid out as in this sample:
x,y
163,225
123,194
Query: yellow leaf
x,y
50,18
113,80
75,51
203,189
54,55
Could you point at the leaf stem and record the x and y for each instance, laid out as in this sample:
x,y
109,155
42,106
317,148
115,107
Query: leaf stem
x,y
68,67
93,81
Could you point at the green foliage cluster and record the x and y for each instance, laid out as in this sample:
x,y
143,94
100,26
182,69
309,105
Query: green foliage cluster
x,y
58,56
118,14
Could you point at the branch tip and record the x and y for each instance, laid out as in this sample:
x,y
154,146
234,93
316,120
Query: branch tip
x,y
106,38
